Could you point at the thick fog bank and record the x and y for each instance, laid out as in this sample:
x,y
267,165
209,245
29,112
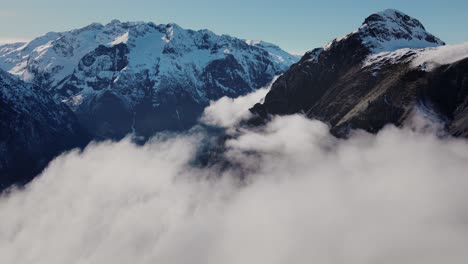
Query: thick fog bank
x,y
395,197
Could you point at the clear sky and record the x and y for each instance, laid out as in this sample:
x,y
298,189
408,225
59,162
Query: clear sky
x,y
295,25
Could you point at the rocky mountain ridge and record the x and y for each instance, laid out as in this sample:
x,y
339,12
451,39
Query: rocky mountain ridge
x,y
382,73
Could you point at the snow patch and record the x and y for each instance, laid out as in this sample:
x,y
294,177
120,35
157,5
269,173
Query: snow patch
x,y
387,57
120,39
75,101
252,42
425,59
313,56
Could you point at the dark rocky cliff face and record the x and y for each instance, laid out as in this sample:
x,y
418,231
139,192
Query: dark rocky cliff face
x,y
448,90
33,129
340,85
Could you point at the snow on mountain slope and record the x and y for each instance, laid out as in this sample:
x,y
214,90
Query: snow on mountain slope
x,y
425,59
391,30
374,76
391,36
282,57
10,47
55,55
150,72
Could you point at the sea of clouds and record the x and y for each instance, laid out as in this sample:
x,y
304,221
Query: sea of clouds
x,y
303,197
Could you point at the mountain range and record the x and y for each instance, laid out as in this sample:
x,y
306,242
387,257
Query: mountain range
x,y
142,78
62,90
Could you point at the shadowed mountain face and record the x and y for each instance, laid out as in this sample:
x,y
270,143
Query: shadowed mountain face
x,y
380,74
142,78
33,129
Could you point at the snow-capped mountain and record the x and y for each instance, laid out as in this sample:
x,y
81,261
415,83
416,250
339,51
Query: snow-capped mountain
x,y
384,72
142,77
10,47
386,31
33,129
392,30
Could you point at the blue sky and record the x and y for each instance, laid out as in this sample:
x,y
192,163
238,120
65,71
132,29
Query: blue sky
x,y
295,25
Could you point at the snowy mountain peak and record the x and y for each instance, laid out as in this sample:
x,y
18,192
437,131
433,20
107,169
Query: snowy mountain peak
x,y
392,15
391,29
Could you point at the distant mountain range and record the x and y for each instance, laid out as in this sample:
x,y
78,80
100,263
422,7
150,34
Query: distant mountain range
x,y
384,72
106,81
142,78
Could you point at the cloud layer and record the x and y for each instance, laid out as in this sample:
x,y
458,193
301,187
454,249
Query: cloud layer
x,y
305,197
12,40
228,112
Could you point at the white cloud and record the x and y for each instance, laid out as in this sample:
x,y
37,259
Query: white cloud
x,y
433,57
298,53
12,40
307,197
228,112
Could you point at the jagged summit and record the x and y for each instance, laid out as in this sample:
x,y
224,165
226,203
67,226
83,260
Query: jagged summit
x,y
390,30
392,15
56,54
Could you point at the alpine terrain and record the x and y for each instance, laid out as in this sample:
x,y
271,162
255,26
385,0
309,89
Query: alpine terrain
x,y
142,78
384,72
62,90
